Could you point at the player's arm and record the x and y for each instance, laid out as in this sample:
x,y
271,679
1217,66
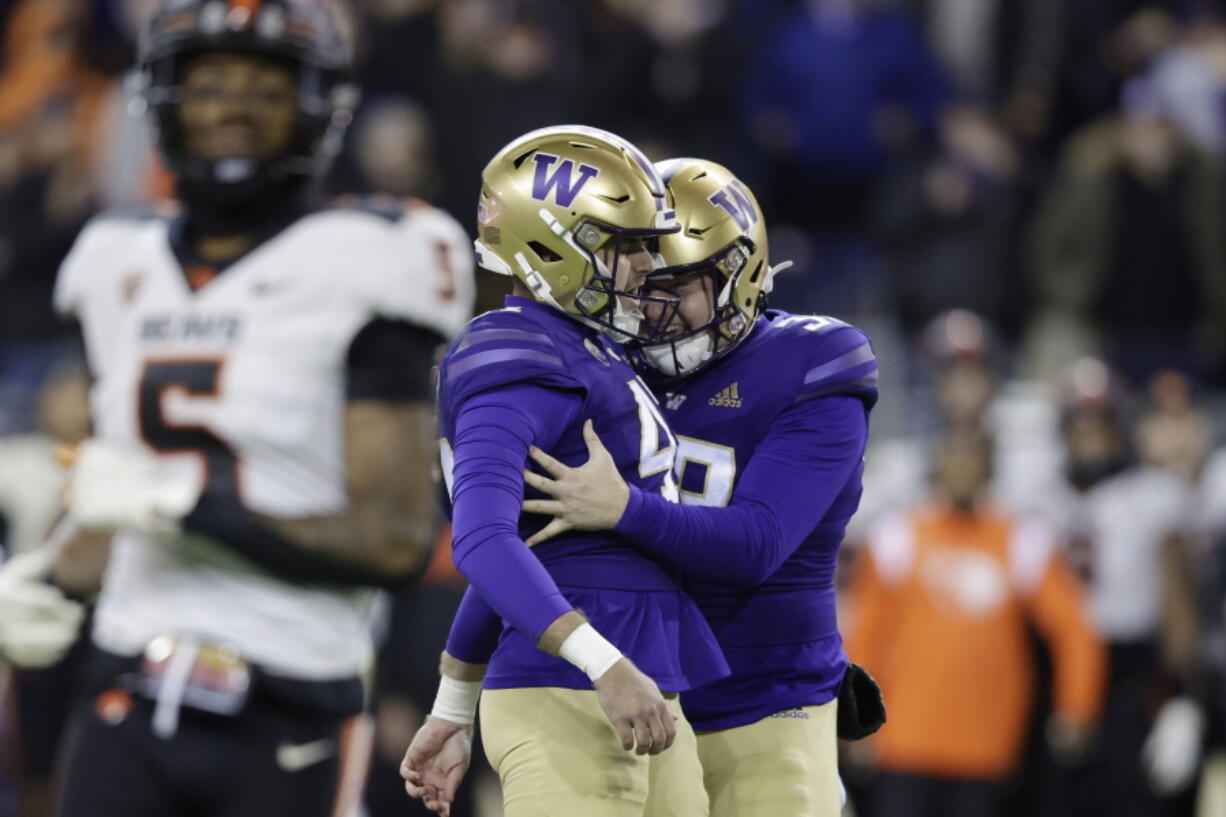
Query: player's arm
x,y
493,431
1057,604
389,525
794,475
438,757
384,535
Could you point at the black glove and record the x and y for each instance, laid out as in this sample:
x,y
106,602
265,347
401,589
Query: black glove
x,y
861,707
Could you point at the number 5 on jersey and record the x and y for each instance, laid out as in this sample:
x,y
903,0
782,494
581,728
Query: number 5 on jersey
x,y
196,378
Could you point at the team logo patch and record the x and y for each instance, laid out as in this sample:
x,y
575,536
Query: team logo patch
x,y
797,714
727,397
562,182
596,351
734,200
673,401
130,286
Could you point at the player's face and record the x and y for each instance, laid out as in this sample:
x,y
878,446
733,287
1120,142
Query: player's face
x,y
962,472
237,106
633,264
696,307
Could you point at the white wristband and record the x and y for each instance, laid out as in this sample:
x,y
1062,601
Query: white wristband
x,y
589,651
456,701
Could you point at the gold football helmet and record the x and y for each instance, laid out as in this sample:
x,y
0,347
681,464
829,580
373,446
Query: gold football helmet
x,y
722,239
555,197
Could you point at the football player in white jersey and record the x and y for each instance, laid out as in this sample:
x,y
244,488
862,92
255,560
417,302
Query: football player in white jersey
x,y
263,428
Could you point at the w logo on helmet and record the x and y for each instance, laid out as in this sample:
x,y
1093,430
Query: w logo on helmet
x,y
735,200
561,181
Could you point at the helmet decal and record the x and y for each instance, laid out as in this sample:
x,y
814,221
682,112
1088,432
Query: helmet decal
x,y
562,182
735,200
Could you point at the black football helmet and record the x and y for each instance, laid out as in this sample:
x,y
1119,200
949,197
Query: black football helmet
x,y
306,33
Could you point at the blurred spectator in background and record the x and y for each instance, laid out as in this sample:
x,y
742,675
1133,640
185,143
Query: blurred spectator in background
x,y
49,105
1108,42
1212,586
834,89
1189,80
1006,50
30,497
1174,434
963,380
393,146
1127,253
939,608
1129,525
948,217
30,478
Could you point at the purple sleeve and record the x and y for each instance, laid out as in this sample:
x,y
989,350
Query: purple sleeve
x,y
794,475
474,630
492,433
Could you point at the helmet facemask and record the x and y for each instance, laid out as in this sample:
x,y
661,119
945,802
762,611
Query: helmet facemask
x,y
683,346
621,308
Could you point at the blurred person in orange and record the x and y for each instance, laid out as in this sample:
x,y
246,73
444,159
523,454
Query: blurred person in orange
x,y
939,608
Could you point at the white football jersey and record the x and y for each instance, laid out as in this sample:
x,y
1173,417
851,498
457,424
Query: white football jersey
x,y
243,383
1123,521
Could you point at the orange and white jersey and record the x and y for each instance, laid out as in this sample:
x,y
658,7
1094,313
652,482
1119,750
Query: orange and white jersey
x,y
239,383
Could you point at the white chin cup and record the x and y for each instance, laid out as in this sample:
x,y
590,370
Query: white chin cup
x,y
626,321
690,354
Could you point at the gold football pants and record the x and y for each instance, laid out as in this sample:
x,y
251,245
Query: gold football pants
x,y
785,765
557,755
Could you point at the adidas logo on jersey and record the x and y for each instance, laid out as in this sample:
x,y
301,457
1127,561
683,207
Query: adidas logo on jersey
x,y
727,397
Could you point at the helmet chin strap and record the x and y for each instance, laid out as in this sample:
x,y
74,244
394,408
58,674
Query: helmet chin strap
x,y
625,320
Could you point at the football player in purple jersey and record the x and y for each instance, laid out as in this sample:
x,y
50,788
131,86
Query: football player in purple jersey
x,y
771,415
569,212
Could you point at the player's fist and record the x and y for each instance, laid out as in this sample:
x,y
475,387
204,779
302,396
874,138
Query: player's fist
x,y
637,709
435,763
116,486
37,623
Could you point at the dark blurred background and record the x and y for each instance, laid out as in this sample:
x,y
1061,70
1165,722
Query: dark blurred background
x,y
1049,169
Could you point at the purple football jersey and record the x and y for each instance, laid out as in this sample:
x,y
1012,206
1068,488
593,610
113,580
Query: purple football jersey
x,y
534,357
780,636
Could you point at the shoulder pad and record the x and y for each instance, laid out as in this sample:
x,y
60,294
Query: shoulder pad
x,y
416,261
102,249
500,348
840,361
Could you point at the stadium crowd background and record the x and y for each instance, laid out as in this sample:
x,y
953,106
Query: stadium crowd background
x,y
1052,167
